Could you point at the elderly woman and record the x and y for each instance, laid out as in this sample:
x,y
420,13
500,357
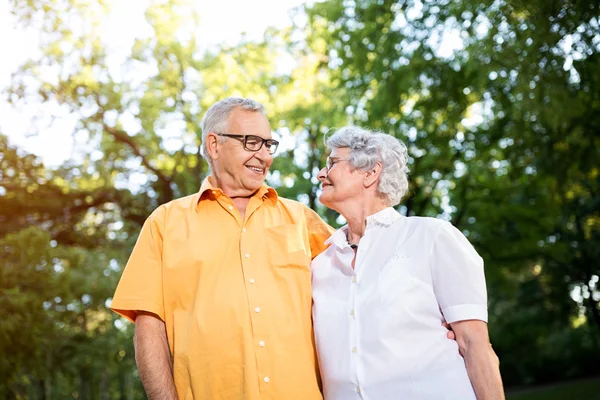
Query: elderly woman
x,y
387,282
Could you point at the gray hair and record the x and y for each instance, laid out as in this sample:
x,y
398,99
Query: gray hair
x,y
216,118
367,148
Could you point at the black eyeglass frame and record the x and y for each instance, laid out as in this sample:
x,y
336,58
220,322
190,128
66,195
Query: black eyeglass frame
x,y
272,144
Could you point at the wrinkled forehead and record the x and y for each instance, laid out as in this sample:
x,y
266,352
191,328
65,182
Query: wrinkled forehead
x,y
244,122
339,152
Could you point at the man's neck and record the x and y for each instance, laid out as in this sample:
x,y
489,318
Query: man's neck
x,y
241,204
240,198
228,188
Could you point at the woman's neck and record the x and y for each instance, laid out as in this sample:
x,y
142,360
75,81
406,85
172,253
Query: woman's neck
x,y
356,215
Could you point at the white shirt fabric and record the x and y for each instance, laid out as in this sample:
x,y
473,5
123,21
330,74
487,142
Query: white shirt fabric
x,y
378,327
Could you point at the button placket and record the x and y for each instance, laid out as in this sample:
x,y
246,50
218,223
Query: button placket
x,y
254,300
352,284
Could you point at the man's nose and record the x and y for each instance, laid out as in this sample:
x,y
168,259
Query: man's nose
x,y
263,153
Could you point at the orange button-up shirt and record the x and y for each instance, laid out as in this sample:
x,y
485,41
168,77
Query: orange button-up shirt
x,y
235,294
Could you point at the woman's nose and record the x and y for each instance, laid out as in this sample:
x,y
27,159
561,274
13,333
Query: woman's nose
x,y
322,174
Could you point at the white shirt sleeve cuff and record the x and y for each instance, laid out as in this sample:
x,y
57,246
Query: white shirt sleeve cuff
x,y
464,312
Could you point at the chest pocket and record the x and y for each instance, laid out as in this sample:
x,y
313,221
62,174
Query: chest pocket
x,y
289,264
286,248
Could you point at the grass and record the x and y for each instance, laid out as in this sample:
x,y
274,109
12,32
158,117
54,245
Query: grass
x,y
588,389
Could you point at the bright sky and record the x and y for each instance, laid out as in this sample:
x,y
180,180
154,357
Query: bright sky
x,y
218,24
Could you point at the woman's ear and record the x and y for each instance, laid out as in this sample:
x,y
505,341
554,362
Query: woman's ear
x,y
212,148
372,175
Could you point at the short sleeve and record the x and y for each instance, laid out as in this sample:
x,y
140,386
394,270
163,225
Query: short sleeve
x,y
140,287
458,277
318,232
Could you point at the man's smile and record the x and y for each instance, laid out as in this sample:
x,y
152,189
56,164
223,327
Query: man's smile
x,y
255,169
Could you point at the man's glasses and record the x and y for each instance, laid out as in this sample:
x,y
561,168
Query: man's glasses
x,y
331,161
253,142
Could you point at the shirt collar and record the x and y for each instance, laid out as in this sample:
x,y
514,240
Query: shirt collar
x,y
383,218
208,190
339,238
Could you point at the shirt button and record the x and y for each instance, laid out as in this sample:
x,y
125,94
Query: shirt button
x,y
354,349
352,312
261,343
257,309
230,207
244,230
353,279
267,379
251,280
358,389
247,255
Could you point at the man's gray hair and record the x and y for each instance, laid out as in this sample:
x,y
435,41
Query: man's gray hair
x,y
216,118
367,148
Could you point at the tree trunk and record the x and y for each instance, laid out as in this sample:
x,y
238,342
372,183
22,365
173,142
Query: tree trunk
x,y
41,389
409,205
313,162
123,389
48,380
592,307
130,386
84,385
102,385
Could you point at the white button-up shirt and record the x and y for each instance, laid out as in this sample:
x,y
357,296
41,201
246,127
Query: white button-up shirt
x,y
378,327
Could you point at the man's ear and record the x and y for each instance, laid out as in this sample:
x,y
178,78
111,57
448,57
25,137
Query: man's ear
x,y
212,148
372,175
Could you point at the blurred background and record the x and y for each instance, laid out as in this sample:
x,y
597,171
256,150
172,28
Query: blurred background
x,y
100,106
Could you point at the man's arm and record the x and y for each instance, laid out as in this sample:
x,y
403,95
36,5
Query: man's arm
x,y
482,363
153,357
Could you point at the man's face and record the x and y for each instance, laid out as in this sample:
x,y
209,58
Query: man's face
x,y
340,182
243,171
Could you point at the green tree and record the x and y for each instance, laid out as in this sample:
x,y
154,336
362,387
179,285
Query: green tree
x,y
502,134
503,137
140,125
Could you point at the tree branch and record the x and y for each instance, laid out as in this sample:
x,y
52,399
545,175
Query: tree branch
x,y
124,138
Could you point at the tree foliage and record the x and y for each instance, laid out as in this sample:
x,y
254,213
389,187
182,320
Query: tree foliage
x,y
503,135
502,131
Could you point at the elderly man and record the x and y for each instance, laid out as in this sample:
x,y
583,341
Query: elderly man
x,y
219,282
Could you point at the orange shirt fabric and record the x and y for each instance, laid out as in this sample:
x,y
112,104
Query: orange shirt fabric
x,y
235,294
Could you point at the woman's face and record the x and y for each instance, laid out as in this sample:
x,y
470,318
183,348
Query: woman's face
x,y
340,182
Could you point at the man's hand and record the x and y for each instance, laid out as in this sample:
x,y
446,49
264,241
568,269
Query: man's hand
x,y
483,366
153,357
450,334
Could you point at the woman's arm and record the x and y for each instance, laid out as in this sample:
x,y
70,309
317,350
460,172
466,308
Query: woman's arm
x,y
482,363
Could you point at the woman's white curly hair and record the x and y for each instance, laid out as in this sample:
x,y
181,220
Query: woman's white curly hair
x,y
367,148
